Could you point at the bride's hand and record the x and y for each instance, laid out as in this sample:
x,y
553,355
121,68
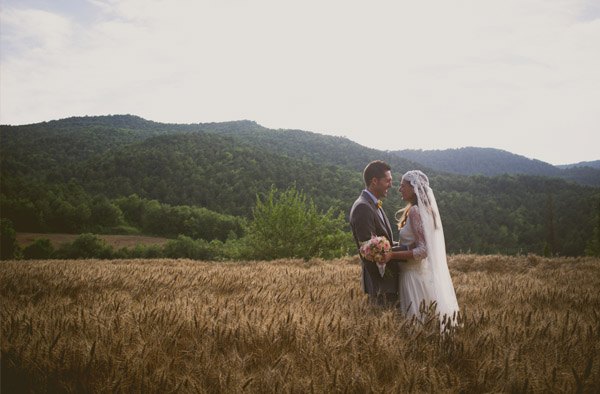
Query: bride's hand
x,y
387,257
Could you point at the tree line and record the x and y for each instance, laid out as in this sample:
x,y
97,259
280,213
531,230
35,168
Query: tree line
x,y
124,175
285,224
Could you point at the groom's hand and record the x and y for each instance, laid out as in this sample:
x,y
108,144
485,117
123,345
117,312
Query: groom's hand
x,y
398,248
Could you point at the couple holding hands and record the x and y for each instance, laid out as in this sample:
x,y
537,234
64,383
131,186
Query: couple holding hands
x,y
416,275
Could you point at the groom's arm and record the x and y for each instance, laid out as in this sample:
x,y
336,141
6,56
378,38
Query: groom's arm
x,y
363,222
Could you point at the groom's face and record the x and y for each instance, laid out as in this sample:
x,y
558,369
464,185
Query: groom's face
x,y
382,185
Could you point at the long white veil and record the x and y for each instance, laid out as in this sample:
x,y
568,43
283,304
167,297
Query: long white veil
x,y
436,247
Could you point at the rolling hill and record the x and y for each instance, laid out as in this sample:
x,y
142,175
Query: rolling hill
x,y
592,164
79,169
491,162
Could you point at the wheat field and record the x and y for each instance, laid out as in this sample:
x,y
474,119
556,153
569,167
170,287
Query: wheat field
x,y
528,324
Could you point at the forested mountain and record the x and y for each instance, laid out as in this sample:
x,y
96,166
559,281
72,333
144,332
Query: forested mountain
x,y
209,170
173,162
308,146
44,147
490,162
592,164
112,172
80,137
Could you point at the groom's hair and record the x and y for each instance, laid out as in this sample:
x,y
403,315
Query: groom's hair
x,y
375,169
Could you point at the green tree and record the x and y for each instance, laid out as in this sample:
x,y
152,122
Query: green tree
x,y
288,225
132,208
104,213
550,248
593,246
8,240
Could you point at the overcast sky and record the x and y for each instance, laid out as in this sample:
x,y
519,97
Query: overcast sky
x,y
519,75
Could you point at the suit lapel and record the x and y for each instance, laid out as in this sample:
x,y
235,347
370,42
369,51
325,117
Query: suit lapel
x,y
382,218
387,226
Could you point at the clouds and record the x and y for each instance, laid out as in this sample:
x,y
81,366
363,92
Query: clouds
x,y
388,74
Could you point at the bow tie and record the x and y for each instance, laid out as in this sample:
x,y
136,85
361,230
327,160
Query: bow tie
x,y
379,204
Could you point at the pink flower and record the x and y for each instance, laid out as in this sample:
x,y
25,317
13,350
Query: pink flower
x,y
375,249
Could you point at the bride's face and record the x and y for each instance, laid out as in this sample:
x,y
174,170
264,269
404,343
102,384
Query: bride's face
x,y
407,191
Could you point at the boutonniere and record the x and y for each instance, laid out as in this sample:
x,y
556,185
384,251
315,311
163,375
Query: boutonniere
x,y
379,204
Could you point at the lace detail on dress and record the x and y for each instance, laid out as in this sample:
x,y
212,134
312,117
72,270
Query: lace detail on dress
x,y
413,233
420,252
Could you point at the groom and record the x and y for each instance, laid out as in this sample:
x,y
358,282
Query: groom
x,y
368,219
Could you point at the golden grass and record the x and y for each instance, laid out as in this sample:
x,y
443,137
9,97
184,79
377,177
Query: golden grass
x,y
529,324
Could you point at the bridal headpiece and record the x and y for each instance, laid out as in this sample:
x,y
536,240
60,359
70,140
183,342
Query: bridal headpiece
x,y
420,184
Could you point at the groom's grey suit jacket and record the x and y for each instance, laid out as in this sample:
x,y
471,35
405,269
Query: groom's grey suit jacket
x,y
366,221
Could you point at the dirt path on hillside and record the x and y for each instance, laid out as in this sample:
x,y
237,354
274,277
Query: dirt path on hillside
x,y
116,241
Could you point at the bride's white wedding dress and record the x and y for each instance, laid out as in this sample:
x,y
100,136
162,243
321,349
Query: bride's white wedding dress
x,y
416,281
426,278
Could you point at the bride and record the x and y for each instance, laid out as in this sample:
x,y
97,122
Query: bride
x,y
424,277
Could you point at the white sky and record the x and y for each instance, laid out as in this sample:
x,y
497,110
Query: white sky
x,y
519,75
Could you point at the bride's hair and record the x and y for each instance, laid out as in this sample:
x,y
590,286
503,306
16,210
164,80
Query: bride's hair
x,y
402,215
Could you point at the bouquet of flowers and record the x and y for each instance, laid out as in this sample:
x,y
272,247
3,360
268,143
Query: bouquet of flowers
x,y
374,250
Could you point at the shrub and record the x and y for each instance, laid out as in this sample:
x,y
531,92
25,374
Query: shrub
x,y
140,252
86,246
288,225
232,249
40,249
186,247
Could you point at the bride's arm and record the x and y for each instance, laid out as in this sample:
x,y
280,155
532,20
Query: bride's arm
x,y
419,251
